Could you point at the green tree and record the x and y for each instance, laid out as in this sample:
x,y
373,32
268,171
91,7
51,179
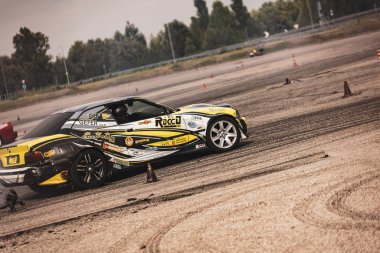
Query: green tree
x,y
346,7
132,32
277,16
118,36
129,53
255,28
197,40
202,13
160,47
241,15
13,74
198,28
222,29
179,34
31,54
76,62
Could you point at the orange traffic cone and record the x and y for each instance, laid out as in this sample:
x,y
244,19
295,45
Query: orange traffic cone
x,y
378,53
150,175
294,61
347,91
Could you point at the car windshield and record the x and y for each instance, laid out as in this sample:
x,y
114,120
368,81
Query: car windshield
x,y
49,126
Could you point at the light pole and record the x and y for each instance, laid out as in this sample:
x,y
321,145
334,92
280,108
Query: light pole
x,y
5,82
104,68
66,72
171,43
311,16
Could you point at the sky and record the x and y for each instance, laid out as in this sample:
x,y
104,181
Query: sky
x,y
65,21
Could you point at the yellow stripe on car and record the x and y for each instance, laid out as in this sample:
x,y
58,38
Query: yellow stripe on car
x,y
175,141
59,178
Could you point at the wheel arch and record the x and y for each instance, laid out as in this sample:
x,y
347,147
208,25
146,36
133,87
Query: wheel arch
x,y
67,152
220,116
242,126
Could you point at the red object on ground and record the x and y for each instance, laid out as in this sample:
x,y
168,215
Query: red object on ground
x,y
7,135
294,61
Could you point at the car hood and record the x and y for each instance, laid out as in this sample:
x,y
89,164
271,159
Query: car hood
x,y
208,109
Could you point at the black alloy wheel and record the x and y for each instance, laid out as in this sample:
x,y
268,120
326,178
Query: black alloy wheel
x,y
88,170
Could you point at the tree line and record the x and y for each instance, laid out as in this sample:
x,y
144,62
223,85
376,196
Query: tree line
x,y
222,25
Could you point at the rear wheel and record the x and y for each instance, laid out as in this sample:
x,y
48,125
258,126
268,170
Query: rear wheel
x,y
222,134
89,169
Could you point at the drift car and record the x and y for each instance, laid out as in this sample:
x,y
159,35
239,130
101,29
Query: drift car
x,y
7,134
84,144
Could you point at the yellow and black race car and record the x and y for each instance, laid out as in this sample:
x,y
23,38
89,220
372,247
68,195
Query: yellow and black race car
x,y
84,144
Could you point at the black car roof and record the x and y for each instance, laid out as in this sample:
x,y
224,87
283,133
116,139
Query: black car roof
x,y
84,107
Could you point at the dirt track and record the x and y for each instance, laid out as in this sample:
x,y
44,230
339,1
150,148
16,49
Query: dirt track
x,y
306,180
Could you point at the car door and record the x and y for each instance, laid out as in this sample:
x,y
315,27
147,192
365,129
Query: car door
x,y
152,131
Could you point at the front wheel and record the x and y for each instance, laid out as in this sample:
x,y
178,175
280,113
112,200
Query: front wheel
x,y
88,170
222,134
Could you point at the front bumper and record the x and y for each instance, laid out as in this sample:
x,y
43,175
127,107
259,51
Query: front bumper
x,y
243,127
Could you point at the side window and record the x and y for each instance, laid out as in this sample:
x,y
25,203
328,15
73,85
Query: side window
x,y
139,110
95,118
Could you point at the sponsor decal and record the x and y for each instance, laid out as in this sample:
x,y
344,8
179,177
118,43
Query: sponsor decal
x,y
129,141
152,148
99,135
136,153
217,109
116,166
174,142
100,115
196,117
142,141
49,153
181,140
200,146
88,122
168,121
192,124
105,116
125,163
14,159
145,122
112,148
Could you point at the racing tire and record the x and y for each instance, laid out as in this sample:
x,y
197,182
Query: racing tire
x,y
222,135
88,170
43,189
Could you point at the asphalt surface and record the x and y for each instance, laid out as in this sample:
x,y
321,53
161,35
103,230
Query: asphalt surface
x,y
292,128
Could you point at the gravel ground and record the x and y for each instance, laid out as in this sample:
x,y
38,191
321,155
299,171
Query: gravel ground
x,y
306,180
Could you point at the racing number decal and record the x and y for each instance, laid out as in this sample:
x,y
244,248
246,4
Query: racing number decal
x,y
171,121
